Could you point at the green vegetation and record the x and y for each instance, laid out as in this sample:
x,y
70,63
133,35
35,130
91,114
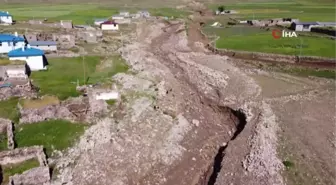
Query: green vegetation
x,y
39,103
288,164
111,102
221,8
61,77
168,12
3,141
53,135
10,170
9,110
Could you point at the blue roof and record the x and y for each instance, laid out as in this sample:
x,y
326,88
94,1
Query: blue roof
x,y
8,37
25,53
42,43
2,13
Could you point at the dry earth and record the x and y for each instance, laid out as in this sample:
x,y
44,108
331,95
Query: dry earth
x,y
191,117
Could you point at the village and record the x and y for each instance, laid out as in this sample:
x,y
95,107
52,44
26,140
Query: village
x,y
28,52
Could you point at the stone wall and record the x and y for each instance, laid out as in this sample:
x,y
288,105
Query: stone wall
x,y
20,155
34,176
6,126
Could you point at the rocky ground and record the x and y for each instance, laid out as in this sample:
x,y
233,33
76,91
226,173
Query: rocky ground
x,y
192,117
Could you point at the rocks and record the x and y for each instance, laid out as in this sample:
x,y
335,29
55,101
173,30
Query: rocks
x,y
19,155
6,126
133,83
34,176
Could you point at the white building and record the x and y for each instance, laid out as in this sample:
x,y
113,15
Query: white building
x,y
44,45
109,25
34,58
304,26
5,18
10,42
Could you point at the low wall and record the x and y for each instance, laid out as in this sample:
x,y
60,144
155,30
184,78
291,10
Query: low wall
x,y
20,155
39,175
6,126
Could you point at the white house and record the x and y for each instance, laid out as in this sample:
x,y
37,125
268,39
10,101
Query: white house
x,y
10,42
109,25
5,18
34,58
44,45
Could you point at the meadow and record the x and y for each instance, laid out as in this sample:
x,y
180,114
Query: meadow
x,y
63,73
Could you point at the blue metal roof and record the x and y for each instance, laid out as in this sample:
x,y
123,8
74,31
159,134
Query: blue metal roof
x,y
26,52
42,43
8,37
2,13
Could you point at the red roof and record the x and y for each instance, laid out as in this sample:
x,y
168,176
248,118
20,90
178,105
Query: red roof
x,y
109,22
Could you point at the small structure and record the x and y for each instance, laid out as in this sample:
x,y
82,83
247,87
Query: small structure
x,y
117,17
327,24
109,25
10,42
303,26
144,14
17,72
66,24
44,45
124,13
6,18
34,58
99,21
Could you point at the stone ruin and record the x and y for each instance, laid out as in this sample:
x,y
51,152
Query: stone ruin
x,y
6,127
34,176
18,90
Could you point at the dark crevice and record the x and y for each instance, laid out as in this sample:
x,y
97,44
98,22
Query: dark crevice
x,y
217,165
240,124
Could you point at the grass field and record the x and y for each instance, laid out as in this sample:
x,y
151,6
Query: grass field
x,y
78,13
53,135
61,77
9,110
247,38
3,141
10,170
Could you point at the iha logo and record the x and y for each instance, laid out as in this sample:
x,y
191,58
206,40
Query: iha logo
x,y
277,34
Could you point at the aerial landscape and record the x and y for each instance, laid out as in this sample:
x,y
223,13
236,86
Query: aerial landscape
x,y
207,92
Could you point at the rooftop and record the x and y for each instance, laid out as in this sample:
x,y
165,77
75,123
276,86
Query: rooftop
x,y
328,23
42,43
2,13
8,37
109,22
307,23
27,51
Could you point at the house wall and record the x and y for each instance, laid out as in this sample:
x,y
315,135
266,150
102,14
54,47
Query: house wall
x,y
110,27
16,73
6,47
35,63
6,19
46,48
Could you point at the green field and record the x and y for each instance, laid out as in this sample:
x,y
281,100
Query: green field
x,y
9,110
246,38
61,77
53,135
78,13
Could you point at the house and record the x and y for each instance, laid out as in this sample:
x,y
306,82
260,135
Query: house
x,y
9,42
124,14
5,18
99,21
117,17
34,58
44,45
109,25
144,14
303,26
66,24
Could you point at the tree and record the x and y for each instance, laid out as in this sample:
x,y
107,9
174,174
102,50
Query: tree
x,y
221,8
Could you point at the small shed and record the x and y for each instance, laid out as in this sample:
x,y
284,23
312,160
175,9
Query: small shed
x,y
109,25
34,58
6,18
66,24
44,45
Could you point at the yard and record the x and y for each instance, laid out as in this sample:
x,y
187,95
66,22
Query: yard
x,y
53,135
63,73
